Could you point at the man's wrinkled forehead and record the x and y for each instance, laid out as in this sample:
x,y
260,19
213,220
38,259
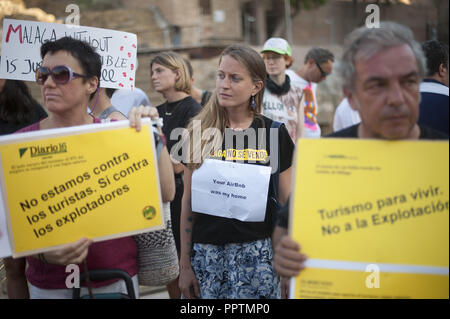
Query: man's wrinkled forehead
x,y
371,57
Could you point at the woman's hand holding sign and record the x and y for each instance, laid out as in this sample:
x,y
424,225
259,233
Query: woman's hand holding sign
x,y
139,112
73,253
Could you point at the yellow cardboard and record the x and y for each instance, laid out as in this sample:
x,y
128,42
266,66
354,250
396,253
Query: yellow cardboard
x,y
96,181
369,202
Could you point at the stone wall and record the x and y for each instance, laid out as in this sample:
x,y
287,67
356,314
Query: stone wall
x,y
143,24
330,23
17,9
197,28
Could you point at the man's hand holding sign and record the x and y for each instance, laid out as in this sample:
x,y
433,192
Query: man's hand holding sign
x,y
374,221
362,228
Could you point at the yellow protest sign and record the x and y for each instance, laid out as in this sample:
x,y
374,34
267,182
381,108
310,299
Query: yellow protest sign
x,y
372,217
97,181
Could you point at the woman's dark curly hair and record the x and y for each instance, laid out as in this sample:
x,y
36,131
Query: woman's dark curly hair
x,y
16,103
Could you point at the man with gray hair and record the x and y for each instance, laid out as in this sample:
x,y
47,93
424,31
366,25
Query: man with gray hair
x,y
381,70
317,66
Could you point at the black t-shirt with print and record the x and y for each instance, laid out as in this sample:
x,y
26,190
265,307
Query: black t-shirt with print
x,y
215,230
177,115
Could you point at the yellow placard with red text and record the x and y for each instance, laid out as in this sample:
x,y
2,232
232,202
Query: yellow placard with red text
x,y
372,217
98,181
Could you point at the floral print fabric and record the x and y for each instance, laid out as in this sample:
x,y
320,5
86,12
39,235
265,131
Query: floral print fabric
x,y
236,271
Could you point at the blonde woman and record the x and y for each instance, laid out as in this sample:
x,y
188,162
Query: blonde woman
x,y
170,77
231,256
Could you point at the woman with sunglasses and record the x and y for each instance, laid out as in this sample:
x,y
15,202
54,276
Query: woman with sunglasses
x,y
282,101
69,77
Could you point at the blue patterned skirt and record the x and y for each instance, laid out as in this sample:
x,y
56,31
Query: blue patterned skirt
x,y
236,271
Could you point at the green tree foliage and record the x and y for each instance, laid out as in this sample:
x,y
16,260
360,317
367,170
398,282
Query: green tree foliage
x,y
298,5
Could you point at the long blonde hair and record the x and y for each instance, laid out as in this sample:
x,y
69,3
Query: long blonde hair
x,y
214,116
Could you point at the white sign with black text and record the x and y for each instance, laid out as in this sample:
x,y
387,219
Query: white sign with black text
x,y
231,190
22,41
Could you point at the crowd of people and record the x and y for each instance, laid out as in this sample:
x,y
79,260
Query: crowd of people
x,y
394,89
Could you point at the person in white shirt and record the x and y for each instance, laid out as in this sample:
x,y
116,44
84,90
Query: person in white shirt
x,y
345,116
282,101
317,66
124,99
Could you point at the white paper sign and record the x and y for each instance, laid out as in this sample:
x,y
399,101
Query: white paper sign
x,y
22,40
5,247
231,190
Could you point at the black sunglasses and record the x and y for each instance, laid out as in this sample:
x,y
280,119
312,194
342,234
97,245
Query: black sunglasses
x,y
60,74
322,72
